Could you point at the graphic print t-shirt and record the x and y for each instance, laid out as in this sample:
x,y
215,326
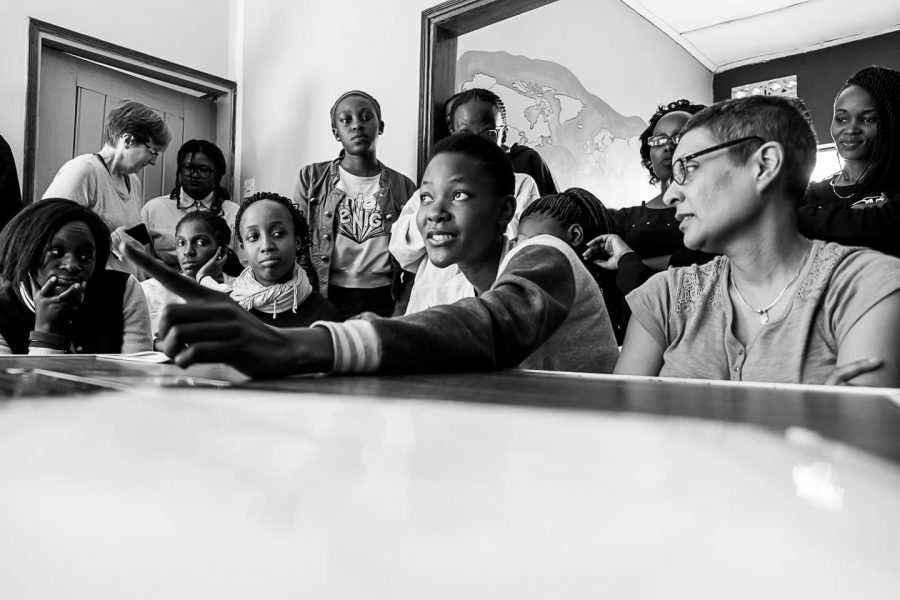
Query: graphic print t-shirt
x,y
360,258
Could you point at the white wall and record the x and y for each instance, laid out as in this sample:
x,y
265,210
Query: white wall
x,y
615,53
194,34
291,60
300,56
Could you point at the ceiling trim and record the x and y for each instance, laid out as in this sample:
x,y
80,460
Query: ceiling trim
x,y
747,17
670,31
826,44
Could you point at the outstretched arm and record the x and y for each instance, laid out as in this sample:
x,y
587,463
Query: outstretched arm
x,y
504,326
501,328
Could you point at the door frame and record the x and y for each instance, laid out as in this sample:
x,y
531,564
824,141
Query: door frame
x,y
441,26
46,35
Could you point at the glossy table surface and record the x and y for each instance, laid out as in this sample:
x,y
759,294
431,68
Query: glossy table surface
x,y
200,483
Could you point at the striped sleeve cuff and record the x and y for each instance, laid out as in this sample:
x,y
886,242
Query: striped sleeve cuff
x,y
35,350
356,346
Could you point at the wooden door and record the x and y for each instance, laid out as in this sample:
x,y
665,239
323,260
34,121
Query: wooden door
x,y
75,96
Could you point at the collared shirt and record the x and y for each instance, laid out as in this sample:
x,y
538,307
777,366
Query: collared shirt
x,y
162,214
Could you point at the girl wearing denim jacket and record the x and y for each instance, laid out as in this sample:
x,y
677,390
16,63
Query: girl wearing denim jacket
x,y
351,203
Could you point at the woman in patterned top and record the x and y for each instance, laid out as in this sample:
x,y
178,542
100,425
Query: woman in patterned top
x,y
775,306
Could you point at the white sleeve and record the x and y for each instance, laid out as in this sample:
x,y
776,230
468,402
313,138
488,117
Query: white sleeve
x,y
526,193
209,282
406,242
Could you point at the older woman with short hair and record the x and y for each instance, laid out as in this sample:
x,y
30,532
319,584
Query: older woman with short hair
x,y
775,306
106,181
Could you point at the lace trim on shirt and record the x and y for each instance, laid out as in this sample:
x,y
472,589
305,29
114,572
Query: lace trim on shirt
x,y
699,282
826,258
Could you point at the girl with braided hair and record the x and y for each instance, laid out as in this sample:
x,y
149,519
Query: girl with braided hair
x,y
576,216
483,113
201,166
859,205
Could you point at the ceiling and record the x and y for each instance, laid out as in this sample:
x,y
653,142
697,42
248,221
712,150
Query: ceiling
x,y
724,34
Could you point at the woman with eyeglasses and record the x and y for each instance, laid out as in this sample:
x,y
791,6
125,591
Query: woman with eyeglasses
x,y
106,181
201,165
483,113
648,238
775,306
860,204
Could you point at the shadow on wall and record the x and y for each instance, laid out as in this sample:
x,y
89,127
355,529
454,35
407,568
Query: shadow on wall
x,y
583,140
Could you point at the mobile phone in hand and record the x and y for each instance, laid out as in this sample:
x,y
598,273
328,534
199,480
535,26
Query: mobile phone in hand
x,y
140,233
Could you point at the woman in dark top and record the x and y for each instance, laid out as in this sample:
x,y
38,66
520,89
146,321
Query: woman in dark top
x,y
648,239
650,229
55,295
858,205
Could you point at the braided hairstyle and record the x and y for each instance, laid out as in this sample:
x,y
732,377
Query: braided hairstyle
x,y
579,206
883,85
449,109
299,221
571,207
482,95
663,109
214,154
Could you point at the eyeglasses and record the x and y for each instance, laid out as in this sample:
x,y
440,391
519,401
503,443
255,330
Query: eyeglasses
x,y
153,153
661,139
679,170
187,169
493,134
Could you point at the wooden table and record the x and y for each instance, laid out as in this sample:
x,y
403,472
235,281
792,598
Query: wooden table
x,y
202,484
867,418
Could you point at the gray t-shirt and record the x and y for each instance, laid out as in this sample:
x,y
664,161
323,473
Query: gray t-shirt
x,y
85,180
360,258
688,311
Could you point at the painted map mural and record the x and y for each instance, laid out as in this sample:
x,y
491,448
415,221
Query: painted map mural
x,y
585,142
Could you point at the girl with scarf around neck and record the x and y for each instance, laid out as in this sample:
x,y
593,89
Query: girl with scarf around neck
x,y
274,286
201,166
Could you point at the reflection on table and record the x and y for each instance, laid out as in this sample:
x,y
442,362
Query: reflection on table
x,y
512,484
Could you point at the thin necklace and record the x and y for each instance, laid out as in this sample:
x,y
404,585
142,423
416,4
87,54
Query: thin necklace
x,y
834,188
842,174
764,312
